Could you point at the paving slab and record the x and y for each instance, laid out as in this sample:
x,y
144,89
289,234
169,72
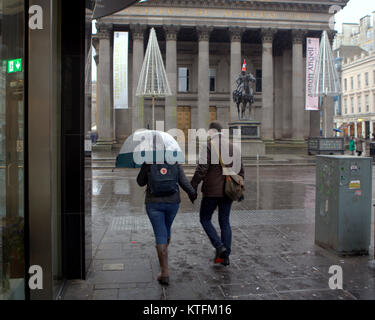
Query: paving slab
x,y
273,253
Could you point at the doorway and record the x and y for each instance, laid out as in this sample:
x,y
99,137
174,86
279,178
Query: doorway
x,y
184,120
213,114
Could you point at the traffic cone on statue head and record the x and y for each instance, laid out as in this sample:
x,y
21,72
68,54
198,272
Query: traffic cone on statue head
x,y
244,65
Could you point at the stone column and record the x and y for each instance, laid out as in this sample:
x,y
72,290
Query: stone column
x,y
305,112
138,55
287,94
203,76
94,117
278,101
105,112
235,67
315,123
267,85
171,69
297,86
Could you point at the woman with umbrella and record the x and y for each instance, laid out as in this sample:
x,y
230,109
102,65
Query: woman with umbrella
x,y
162,200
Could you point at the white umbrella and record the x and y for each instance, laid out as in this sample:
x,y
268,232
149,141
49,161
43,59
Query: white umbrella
x,y
153,81
149,146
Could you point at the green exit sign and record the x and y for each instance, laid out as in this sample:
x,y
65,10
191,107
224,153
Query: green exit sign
x,y
14,65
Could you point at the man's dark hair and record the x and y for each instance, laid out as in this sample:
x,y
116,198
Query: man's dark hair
x,y
216,125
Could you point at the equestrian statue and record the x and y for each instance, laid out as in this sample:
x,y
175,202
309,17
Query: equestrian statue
x,y
244,94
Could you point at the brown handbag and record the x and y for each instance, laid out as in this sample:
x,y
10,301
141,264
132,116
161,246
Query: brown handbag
x,y
234,184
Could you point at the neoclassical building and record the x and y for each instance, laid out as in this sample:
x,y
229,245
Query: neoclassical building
x,y
357,116
203,44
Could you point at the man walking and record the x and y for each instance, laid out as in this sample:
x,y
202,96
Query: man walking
x,y
359,147
214,195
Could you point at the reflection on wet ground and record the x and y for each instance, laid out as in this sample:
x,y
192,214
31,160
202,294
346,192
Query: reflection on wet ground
x,y
274,256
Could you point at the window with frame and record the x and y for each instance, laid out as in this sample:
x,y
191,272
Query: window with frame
x,y
352,83
183,79
212,74
345,84
359,103
258,83
359,81
366,79
367,102
352,104
346,106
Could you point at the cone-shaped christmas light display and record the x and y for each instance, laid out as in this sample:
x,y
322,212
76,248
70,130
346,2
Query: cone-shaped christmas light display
x,y
326,79
326,83
153,80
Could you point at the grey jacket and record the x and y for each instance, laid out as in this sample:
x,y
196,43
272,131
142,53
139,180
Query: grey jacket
x,y
174,198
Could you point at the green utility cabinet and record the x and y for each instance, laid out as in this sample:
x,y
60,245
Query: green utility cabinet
x,y
343,204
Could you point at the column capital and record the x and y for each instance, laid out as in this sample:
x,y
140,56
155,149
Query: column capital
x,y
298,35
104,30
171,32
235,34
204,33
331,35
138,31
267,34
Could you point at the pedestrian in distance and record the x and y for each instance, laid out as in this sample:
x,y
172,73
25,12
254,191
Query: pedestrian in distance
x,y
162,202
213,190
352,146
359,147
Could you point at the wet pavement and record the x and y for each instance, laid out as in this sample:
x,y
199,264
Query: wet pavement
x,y
273,253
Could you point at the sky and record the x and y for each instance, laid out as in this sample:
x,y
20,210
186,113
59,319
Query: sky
x,y
354,10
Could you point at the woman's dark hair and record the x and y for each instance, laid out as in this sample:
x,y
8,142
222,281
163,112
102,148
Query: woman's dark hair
x,y
216,125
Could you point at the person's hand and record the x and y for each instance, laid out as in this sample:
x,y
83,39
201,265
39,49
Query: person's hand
x,y
193,197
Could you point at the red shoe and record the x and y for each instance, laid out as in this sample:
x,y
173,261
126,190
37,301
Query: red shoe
x,y
220,254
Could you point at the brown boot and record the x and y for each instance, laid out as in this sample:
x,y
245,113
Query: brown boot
x,y
162,250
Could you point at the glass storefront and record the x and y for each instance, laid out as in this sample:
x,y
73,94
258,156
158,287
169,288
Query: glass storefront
x,y
12,55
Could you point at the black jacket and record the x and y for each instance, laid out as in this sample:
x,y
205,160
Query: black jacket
x,y
174,198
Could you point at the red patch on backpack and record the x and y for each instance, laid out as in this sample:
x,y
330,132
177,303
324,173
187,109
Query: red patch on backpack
x,y
163,171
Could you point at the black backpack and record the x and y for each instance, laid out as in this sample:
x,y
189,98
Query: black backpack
x,y
163,179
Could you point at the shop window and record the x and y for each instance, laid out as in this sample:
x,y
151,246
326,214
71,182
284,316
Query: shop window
x,y
12,140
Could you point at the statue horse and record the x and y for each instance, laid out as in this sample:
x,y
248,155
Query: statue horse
x,y
243,97
244,93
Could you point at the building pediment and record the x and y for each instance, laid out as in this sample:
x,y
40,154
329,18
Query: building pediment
x,y
289,5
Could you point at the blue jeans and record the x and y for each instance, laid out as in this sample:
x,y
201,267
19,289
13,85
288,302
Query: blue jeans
x,y
208,206
161,216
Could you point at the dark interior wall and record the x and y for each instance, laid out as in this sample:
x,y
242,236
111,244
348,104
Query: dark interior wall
x,y
75,210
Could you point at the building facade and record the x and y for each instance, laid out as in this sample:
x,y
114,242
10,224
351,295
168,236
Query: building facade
x,y
360,34
358,96
204,44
